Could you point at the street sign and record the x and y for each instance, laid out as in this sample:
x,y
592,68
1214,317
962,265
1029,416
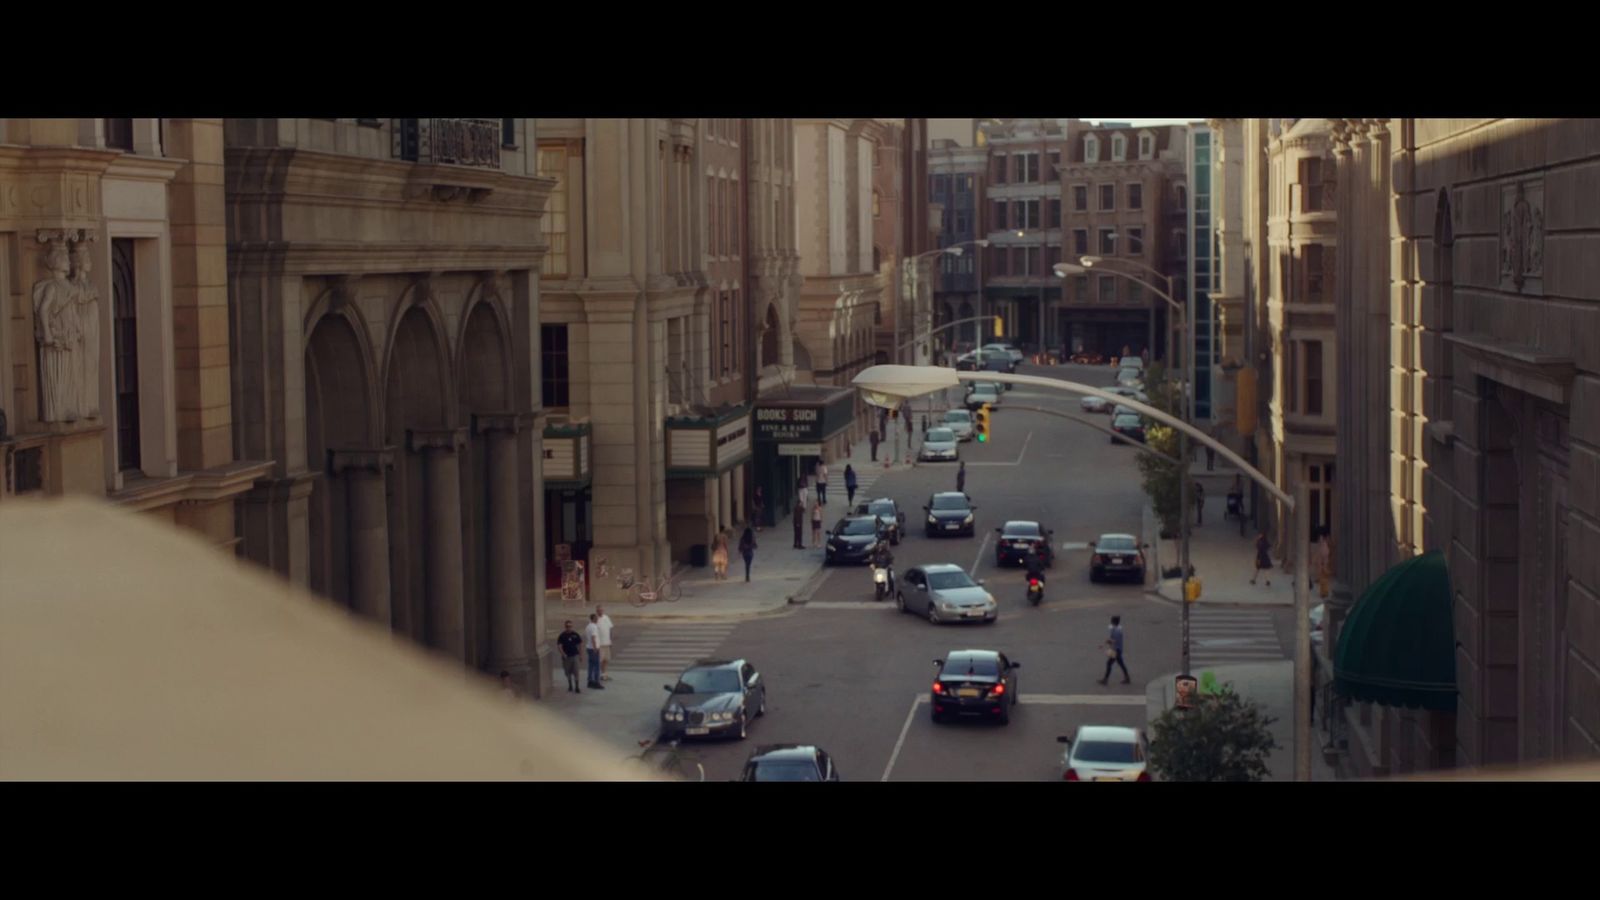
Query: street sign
x,y
799,449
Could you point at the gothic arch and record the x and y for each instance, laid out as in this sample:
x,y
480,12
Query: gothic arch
x,y
339,414
417,307
484,352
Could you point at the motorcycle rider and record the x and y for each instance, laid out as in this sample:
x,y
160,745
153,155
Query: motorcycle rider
x,y
884,559
1035,565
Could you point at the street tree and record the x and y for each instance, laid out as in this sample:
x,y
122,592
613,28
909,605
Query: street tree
x,y
1224,737
1161,479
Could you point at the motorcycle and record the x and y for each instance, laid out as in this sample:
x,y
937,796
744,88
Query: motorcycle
x,y
881,579
1035,589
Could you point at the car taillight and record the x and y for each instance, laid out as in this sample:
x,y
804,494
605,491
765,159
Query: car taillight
x,y
1143,776
938,687
1071,775
1033,582
998,689
1097,559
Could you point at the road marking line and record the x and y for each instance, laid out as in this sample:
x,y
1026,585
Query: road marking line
x,y
1082,699
981,547
1016,462
845,604
901,742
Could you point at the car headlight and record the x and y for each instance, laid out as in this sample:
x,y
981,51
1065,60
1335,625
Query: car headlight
x,y
967,520
990,599
947,607
932,520
673,715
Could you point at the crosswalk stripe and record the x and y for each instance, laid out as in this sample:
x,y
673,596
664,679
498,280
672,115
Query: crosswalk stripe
x,y
668,648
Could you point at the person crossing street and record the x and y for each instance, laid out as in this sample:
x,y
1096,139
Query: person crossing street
x,y
1113,646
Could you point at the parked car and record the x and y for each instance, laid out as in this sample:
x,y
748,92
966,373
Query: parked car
x,y
950,512
1116,554
959,421
981,395
939,443
714,697
891,520
1012,355
979,683
1129,425
996,386
944,593
853,540
1105,753
1017,538
789,762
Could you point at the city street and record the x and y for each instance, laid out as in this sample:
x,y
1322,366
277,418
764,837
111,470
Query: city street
x,y
853,676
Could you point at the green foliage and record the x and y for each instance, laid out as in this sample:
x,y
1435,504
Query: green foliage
x,y
1223,738
1161,479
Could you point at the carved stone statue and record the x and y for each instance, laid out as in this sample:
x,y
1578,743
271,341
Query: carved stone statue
x,y
60,338
86,298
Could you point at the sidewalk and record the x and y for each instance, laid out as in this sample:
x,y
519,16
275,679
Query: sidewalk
x,y
1271,685
1223,561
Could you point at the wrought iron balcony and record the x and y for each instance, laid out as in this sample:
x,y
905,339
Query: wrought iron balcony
x,y
456,142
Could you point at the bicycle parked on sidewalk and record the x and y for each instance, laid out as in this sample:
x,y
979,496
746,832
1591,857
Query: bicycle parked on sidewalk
x,y
669,758
649,591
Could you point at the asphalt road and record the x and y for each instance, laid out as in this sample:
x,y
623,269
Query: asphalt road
x,y
853,676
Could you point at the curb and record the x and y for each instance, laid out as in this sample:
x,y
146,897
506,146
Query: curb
x,y
1228,604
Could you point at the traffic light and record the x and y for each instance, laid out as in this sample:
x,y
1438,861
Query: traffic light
x,y
981,429
999,326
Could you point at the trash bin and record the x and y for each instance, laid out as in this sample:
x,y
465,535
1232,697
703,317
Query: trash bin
x,y
699,556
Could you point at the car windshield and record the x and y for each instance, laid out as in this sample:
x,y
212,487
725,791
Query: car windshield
x,y
1127,420
784,770
958,415
857,526
946,581
1022,529
949,501
708,681
939,435
882,508
983,389
1115,543
986,666
1104,751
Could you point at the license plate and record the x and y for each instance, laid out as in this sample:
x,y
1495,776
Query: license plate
x,y
1020,546
697,731
969,692
973,613
1107,778
951,527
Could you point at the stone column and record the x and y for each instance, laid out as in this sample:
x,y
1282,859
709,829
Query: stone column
x,y
1348,488
507,650
446,607
366,500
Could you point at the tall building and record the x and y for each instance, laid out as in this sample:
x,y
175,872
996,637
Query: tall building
x,y
1465,307
114,364
382,284
1023,196
1117,193
958,177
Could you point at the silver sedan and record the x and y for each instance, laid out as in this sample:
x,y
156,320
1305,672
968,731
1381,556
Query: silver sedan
x,y
945,593
960,422
940,443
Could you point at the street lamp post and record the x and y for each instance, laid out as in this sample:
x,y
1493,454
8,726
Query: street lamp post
x,y
887,385
911,275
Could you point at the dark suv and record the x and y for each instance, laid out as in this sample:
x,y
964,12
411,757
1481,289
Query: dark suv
x,y
950,512
854,539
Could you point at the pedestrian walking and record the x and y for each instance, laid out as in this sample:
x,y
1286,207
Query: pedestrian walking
x,y
872,438
591,643
849,485
605,641
816,525
799,524
961,477
1263,558
822,482
1113,647
758,506
747,549
719,557
570,643
1199,503
802,492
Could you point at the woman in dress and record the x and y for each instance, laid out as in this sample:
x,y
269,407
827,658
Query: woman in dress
x,y
719,557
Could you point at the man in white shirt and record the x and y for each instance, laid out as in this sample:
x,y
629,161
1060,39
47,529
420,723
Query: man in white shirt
x,y
822,482
591,642
605,641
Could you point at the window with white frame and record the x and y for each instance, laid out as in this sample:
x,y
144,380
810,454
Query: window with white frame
x,y
1029,217
1135,195
1080,198
1147,145
1135,242
1119,148
1108,197
1080,241
1108,289
1108,242
1091,148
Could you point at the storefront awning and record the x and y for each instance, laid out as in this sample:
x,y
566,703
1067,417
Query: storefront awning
x,y
1397,648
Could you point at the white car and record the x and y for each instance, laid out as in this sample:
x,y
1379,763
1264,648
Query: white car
x,y
960,422
1094,404
940,443
1105,753
1009,351
1130,378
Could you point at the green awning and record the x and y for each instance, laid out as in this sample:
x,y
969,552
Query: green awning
x,y
1397,648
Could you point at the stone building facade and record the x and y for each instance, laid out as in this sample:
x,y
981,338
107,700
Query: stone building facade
x,y
1469,307
1024,213
114,365
384,298
959,178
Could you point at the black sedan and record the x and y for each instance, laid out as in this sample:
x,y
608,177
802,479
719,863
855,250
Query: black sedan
x,y
1116,554
891,521
714,697
950,512
979,683
790,762
854,540
1019,537
1127,426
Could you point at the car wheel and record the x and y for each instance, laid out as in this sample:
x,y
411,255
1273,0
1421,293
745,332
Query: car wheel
x,y
933,614
899,601
1139,574
1095,575
1005,714
928,532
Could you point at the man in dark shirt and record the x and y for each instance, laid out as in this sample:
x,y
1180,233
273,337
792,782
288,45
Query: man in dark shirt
x,y
570,643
